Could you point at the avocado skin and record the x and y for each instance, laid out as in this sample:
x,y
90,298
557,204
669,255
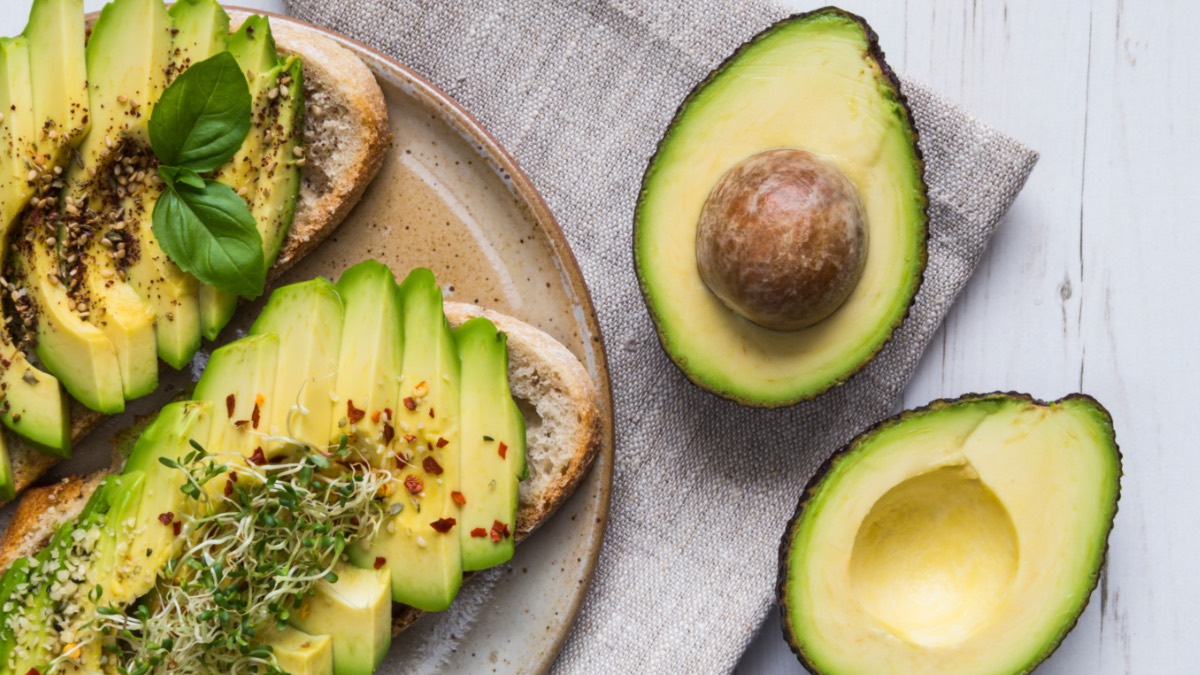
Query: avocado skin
x,y
810,490
873,52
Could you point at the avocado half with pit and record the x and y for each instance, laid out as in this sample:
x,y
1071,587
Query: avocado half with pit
x,y
779,238
964,537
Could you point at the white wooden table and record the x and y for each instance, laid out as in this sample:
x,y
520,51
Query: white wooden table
x,y
1091,282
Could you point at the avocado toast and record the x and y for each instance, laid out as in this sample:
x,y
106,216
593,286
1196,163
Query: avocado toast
x,y
403,542
335,149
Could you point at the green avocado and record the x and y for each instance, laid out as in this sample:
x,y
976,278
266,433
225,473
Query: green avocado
x,y
356,613
964,537
15,579
815,84
299,653
239,382
422,537
493,445
57,69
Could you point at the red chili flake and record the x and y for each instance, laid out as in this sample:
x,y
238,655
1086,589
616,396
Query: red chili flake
x,y
401,462
410,403
430,412
503,450
380,561
458,498
33,671
479,532
441,442
431,466
354,414
388,412
166,518
228,488
258,458
255,416
178,527
354,522
499,531
409,438
375,416
414,484
443,525
233,476
389,432
230,403
241,423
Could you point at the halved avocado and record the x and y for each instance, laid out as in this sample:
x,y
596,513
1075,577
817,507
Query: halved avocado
x,y
817,83
964,537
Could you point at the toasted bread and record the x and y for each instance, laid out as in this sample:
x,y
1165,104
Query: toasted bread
x,y
563,430
343,158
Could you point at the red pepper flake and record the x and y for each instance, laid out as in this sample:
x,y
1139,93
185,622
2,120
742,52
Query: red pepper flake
x,y
241,423
354,522
441,442
354,414
401,462
430,412
409,438
458,498
414,484
230,404
443,525
33,671
233,476
166,518
228,487
258,458
380,561
375,416
389,432
410,403
479,533
255,416
499,531
388,412
503,450
178,527
431,466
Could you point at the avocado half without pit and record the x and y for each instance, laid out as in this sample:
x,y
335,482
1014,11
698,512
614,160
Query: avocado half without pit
x,y
964,537
780,233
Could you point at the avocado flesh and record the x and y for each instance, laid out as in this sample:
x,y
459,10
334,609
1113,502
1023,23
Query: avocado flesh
x,y
356,613
299,653
57,69
11,600
964,537
307,318
489,418
369,363
815,82
426,564
264,165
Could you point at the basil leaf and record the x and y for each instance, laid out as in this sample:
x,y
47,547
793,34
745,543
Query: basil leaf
x,y
178,174
210,234
202,118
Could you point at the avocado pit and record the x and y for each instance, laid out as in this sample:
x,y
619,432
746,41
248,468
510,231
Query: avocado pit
x,y
782,239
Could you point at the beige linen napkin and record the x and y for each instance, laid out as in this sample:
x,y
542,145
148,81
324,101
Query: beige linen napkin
x,y
580,93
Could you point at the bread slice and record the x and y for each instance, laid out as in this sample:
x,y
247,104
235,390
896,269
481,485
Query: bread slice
x,y
563,432
346,131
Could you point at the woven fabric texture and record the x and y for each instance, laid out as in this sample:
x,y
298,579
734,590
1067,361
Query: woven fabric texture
x,y
580,93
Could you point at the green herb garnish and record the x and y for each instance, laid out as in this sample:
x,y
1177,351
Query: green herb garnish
x,y
197,125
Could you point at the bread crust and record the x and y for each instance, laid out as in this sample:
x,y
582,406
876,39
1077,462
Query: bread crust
x,y
330,71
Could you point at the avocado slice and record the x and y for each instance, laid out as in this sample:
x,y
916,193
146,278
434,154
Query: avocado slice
x,y
369,363
356,613
422,538
299,653
493,445
815,82
964,537
110,562
12,585
307,318
56,65
265,164
239,381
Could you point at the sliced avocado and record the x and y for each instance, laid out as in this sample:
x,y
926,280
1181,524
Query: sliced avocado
x,y
35,643
120,500
422,539
239,381
200,28
818,83
369,363
493,446
59,75
356,613
299,653
15,579
162,503
278,185
964,537
307,317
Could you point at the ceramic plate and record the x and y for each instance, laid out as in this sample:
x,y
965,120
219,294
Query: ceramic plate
x,y
451,199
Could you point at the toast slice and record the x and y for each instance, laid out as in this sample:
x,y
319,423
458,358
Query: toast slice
x,y
556,395
346,130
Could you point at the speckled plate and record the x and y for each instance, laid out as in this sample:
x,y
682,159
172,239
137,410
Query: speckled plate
x,y
451,198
